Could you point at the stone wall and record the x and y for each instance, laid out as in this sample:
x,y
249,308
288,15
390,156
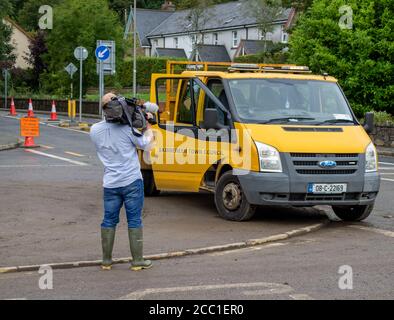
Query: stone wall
x,y
383,136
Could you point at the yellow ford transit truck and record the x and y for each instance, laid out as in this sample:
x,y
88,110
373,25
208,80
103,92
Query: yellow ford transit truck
x,y
261,135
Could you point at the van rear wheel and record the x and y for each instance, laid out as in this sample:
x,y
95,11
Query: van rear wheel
x,y
150,189
230,199
353,213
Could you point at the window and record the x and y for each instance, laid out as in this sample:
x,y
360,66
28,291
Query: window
x,y
215,39
235,39
285,36
217,88
156,43
187,106
176,43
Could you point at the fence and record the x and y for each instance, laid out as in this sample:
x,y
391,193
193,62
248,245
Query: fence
x,y
88,107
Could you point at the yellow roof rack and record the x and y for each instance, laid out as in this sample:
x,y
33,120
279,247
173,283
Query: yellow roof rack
x,y
243,67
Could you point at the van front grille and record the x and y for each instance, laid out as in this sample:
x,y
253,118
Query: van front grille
x,y
322,171
313,163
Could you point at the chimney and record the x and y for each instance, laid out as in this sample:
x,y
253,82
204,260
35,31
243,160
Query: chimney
x,y
168,6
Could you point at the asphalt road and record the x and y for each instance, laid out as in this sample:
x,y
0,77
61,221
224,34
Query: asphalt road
x,y
50,209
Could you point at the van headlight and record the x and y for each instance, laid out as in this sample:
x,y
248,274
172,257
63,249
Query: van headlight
x,y
269,158
371,159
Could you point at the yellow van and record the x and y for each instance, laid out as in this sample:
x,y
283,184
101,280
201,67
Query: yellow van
x,y
261,135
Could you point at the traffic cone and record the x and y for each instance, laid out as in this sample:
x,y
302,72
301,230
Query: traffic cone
x,y
30,112
12,109
53,112
29,143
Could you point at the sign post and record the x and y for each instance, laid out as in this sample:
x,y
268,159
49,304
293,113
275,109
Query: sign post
x,y
103,53
71,69
5,74
81,54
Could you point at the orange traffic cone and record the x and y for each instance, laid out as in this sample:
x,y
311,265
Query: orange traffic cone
x,y
12,109
30,112
29,143
53,112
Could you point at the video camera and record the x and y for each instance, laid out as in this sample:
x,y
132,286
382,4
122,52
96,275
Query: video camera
x,y
131,112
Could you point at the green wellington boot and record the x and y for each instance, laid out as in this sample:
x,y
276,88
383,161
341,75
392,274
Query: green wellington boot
x,y
107,242
136,248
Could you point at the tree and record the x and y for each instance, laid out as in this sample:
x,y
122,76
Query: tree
x,y
29,16
7,58
265,12
79,23
37,49
361,57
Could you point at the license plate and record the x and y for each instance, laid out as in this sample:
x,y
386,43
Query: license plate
x,y
327,188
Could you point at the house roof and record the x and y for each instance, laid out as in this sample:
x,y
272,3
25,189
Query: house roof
x,y
212,53
17,26
254,46
147,20
220,16
173,53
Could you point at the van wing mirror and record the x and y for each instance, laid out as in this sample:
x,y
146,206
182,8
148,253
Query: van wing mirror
x,y
369,124
211,119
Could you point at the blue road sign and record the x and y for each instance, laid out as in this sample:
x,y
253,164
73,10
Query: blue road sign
x,y
102,53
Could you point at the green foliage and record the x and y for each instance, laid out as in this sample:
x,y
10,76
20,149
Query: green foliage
x,y
361,58
145,67
383,118
79,23
274,54
7,58
276,57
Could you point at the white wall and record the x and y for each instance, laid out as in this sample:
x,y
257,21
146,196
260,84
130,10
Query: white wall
x,y
20,42
224,38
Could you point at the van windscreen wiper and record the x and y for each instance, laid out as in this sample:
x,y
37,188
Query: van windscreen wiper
x,y
287,119
337,121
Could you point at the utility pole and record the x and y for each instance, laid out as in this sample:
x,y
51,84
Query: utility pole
x,y
135,50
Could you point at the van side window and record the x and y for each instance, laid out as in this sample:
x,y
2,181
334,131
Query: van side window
x,y
187,104
217,88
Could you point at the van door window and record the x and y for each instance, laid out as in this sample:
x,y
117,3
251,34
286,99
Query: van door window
x,y
187,104
217,88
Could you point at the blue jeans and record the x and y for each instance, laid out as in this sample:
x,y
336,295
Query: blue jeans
x,y
132,196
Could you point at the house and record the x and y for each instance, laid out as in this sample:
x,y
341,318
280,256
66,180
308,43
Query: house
x,y
225,28
20,40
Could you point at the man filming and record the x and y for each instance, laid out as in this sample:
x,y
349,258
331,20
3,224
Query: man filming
x,y
116,142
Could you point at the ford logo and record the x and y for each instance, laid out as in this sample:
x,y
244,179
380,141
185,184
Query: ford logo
x,y
327,164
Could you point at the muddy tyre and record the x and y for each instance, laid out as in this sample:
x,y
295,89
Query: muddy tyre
x,y
353,213
230,199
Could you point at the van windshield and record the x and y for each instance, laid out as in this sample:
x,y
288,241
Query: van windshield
x,y
290,101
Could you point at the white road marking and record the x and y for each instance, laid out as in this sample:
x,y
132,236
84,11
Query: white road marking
x,y
46,147
69,129
386,233
56,157
74,154
384,179
36,165
301,296
51,125
387,163
264,286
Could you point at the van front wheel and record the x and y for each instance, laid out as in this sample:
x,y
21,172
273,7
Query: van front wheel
x,y
353,213
230,199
